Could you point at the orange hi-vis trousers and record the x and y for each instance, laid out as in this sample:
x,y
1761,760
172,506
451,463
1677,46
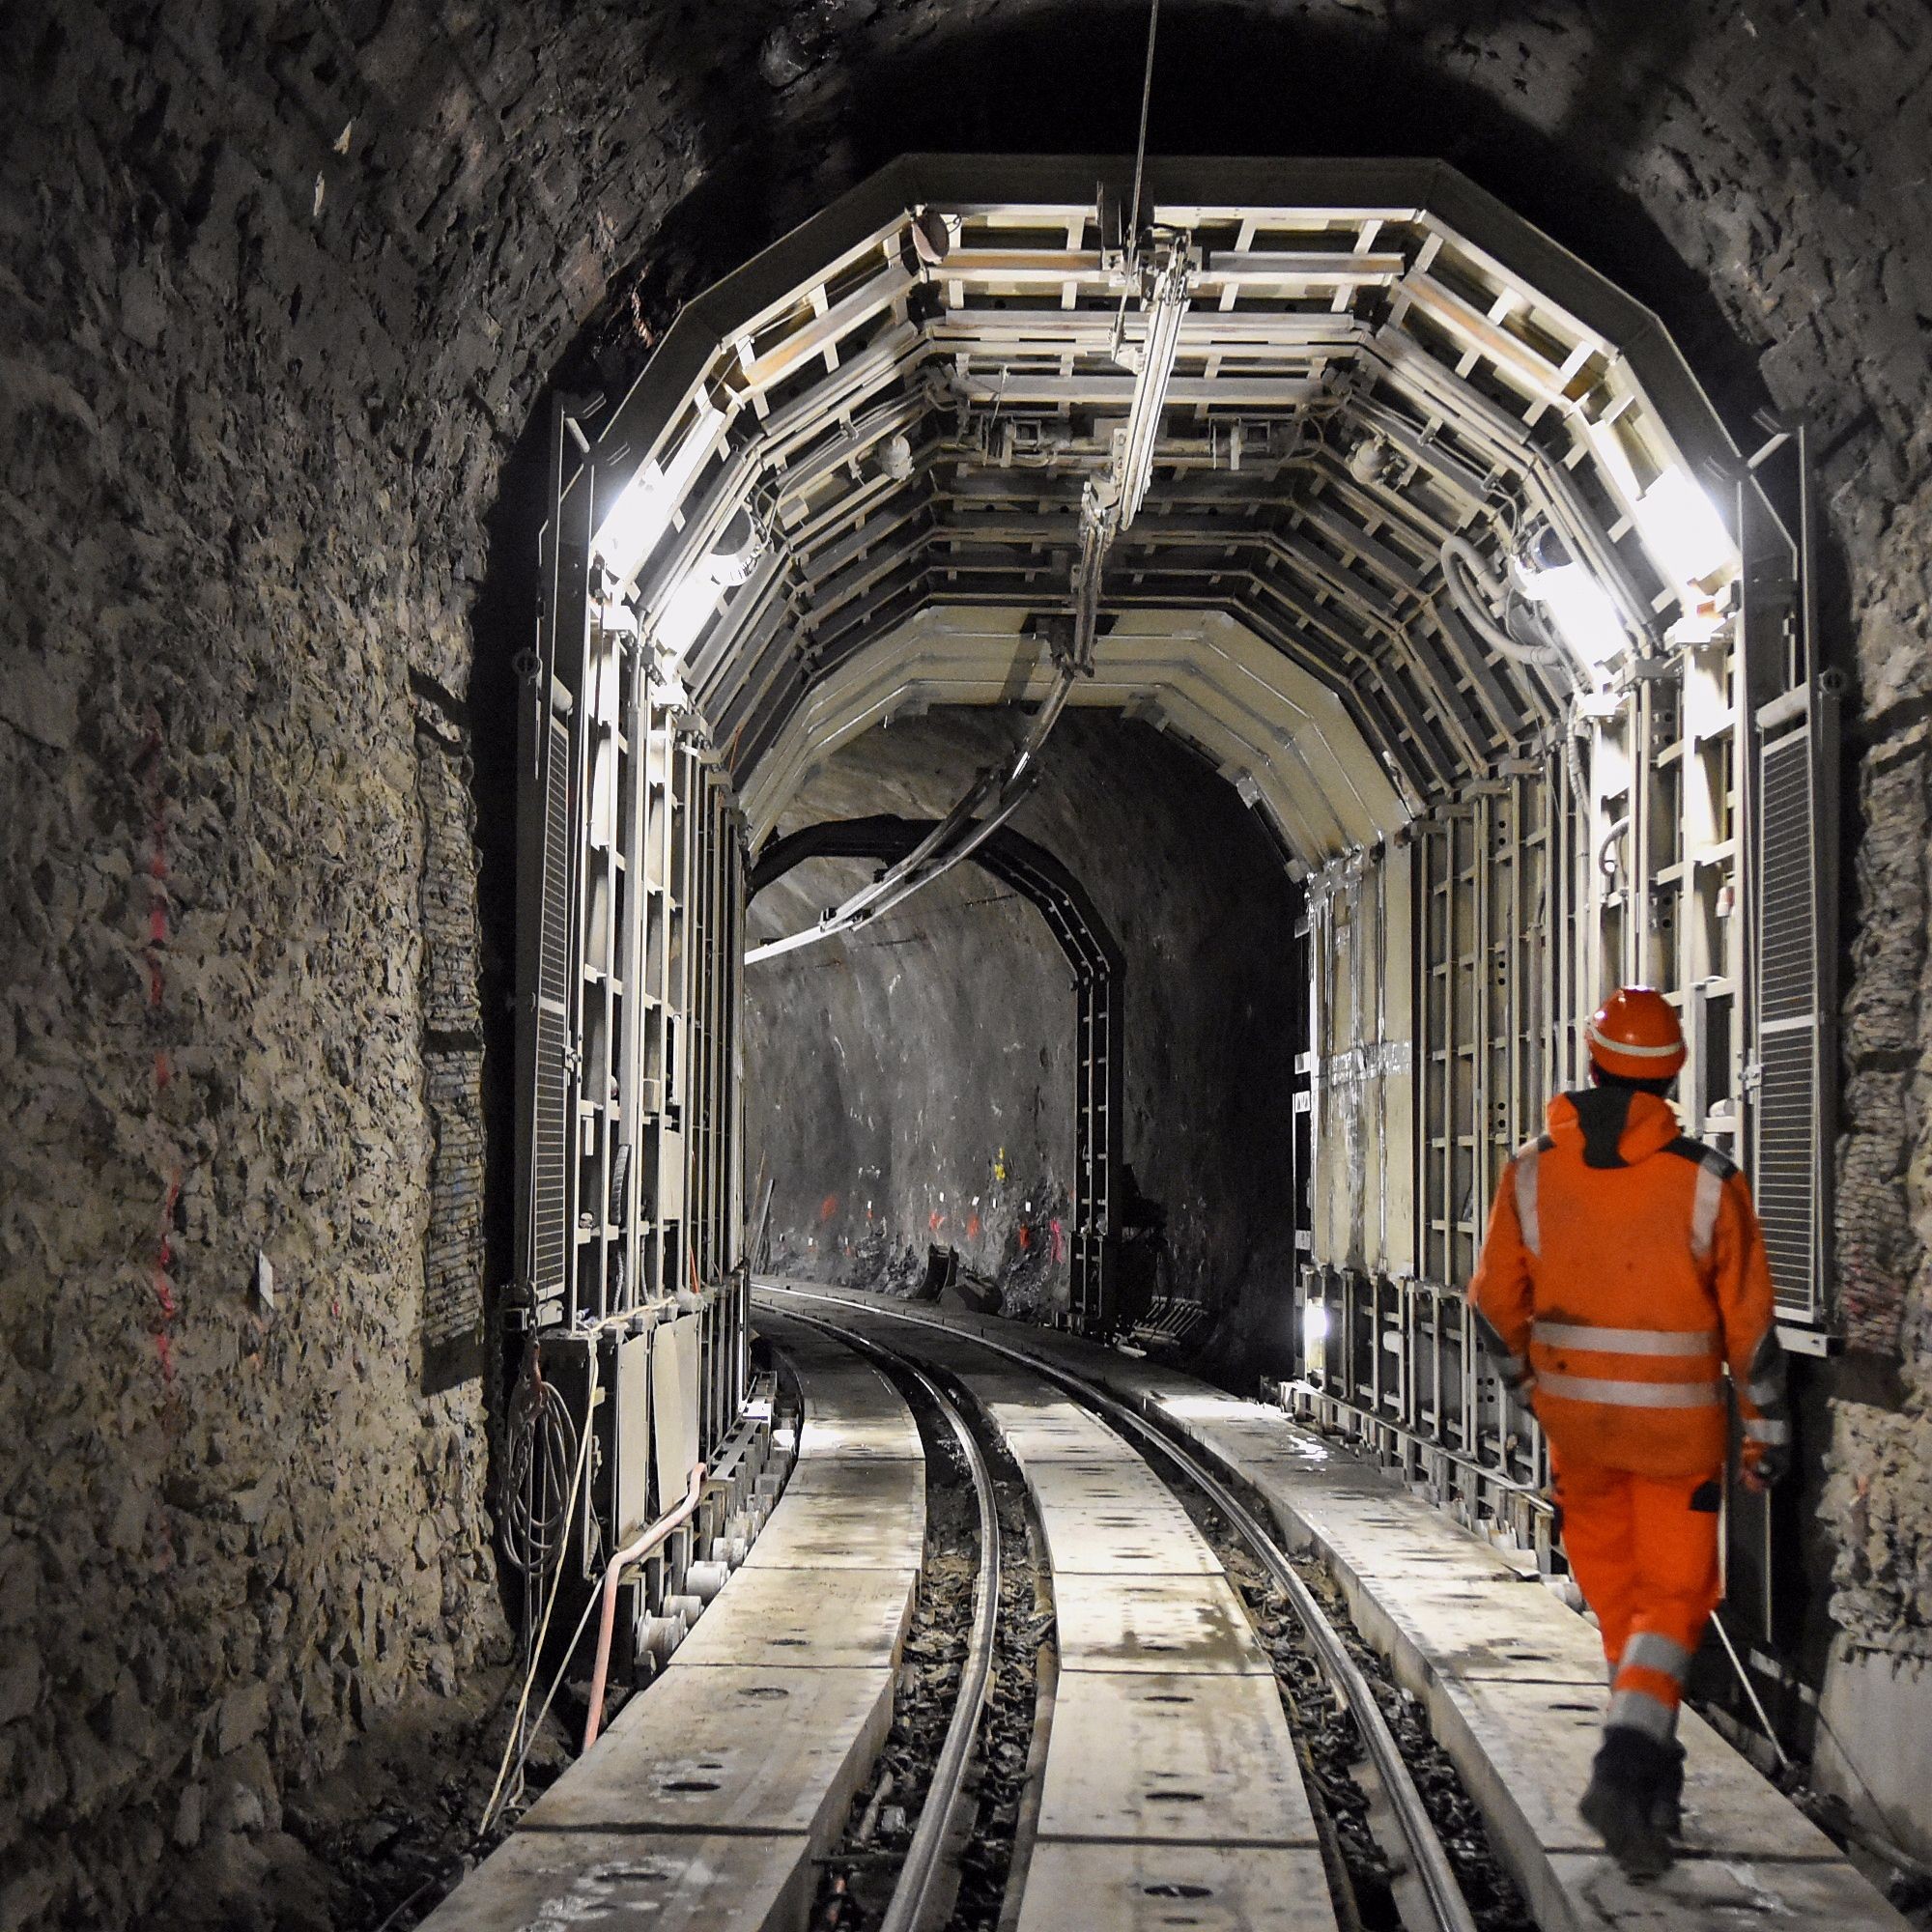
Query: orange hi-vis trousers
x,y
1645,1551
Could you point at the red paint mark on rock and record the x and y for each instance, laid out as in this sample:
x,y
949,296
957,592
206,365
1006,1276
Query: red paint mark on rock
x,y
972,1227
828,1208
1026,1237
1057,1249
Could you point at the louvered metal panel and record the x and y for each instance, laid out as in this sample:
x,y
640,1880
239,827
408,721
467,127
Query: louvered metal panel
x,y
1788,1141
549,1224
1787,1165
1787,957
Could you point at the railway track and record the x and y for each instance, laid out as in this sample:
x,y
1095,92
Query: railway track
x,y
1424,1881
1178,1727
921,1875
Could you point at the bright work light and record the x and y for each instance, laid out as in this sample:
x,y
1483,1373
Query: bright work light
x,y
686,612
1683,529
1315,1339
1580,608
693,598
642,512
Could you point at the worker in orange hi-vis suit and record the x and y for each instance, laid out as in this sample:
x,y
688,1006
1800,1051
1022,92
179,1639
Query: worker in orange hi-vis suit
x,y
1623,1272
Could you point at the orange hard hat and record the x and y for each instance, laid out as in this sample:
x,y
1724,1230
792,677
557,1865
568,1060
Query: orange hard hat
x,y
1634,1033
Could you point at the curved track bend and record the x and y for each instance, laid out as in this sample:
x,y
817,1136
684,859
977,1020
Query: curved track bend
x,y
1156,1552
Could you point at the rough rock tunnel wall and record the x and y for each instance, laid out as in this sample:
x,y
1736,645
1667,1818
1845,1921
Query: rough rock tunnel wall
x,y
914,1082
279,288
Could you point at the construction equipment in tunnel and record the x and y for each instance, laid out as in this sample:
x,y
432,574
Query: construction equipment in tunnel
x,y
630,1312
1100,992
911,393
1159,264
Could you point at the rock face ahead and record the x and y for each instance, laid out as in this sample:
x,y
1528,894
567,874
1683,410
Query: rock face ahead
x,y
914,1083
278,294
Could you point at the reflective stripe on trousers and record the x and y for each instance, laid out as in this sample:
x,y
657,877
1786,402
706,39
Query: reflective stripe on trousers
x,y
1647,1685
1644,1553
1640,1711
1652,1650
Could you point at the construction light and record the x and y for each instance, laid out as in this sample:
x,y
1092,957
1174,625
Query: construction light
x,y
693,598
1580,607
1314,1337
686,612
645,508
1683,529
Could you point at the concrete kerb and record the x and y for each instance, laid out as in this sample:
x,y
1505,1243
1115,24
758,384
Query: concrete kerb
x,y
695,1810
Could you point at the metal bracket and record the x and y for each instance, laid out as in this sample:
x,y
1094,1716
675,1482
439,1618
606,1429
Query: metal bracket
x,y
1651,670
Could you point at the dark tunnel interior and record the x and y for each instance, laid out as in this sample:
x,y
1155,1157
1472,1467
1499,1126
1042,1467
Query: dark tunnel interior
x,y
877,1149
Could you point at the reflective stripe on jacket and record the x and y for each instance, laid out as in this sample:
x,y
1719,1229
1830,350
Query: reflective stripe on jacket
x,y
1624,1271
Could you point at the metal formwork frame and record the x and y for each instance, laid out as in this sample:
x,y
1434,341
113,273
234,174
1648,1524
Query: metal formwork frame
x,y
628,967
1683,843
1395,1366
1375,359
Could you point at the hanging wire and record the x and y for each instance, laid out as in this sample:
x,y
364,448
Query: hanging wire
x,y
1140,149
537,1628
542,1447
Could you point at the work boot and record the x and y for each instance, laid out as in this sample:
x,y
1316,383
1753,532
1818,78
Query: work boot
x,y
1626,1782
1667,1809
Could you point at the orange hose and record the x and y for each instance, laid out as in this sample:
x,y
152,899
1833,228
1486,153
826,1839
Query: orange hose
x,y
606,1622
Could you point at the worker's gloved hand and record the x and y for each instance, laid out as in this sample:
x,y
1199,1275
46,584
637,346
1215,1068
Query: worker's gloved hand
x,y
1770,1466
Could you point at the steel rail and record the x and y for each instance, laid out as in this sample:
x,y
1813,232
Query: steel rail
x,y
914,1886
1346,1677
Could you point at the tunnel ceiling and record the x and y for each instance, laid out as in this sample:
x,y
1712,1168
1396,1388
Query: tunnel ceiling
x,y
849,481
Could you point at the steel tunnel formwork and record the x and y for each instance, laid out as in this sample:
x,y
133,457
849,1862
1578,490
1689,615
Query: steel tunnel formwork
x,y
847,485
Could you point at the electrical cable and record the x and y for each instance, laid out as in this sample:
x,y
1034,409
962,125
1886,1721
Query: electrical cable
x,y
1882,1847
955,836
1885,1848
961,832
1459,557
536,1649
1605,863
536,1723
542,1446
1140,147
1749,1689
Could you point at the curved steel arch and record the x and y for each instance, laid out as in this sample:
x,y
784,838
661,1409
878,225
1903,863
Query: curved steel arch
x,y
1099,986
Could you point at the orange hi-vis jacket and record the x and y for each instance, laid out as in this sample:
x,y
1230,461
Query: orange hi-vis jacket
x,y
1623,1272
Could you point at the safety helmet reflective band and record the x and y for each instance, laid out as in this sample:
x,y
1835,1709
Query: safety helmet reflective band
x,y
1599,1038
1635,1034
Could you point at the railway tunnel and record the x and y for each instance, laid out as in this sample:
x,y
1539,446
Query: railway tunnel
x,y
757,755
